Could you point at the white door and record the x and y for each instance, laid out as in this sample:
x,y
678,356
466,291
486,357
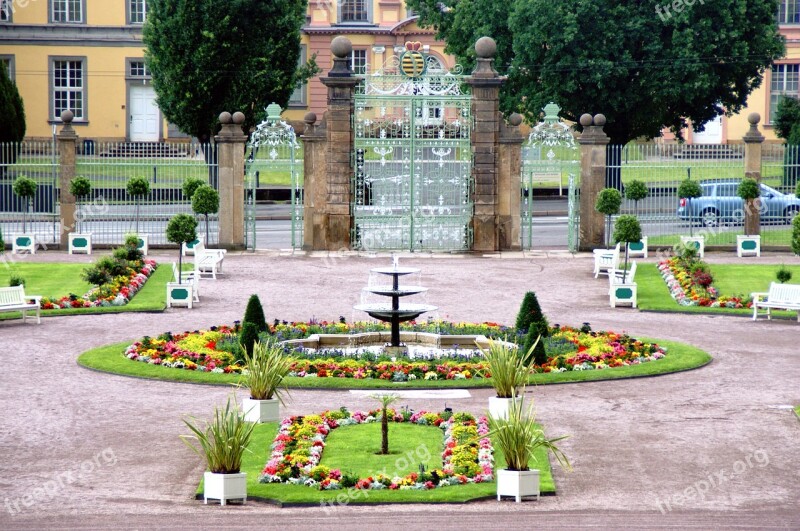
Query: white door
x,y
712,133
144,115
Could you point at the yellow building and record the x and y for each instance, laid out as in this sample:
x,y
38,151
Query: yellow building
x,y
87,56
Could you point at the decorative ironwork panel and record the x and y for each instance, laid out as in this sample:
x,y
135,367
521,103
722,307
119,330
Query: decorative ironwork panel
x,y
274,158
574,213
413,161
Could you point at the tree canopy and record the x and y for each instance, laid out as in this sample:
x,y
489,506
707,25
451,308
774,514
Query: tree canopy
x,y
12,119
642,67
207,57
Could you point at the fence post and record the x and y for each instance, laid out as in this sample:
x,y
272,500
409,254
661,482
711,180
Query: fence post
x,y
231,143
315,189
67,142
509,187
336,218
753,141
593,142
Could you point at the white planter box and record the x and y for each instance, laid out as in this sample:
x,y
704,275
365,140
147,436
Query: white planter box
x,y
143,244
748,245
699,243
261,410
80,243
23,242
517,483
179,294
638,249
623,294
498,407
224,487
187,248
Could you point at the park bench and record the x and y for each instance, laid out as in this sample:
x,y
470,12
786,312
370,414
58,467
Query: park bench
x,y
208,261
13,299
605,260
187,277
779,296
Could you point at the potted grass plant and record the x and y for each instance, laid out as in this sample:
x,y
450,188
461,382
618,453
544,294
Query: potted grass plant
x,y
222,442
508,372
518,437
267,366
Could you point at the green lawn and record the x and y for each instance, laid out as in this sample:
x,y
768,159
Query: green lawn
x,y
797,411
770,235
110,358
59,280
254,460
729,279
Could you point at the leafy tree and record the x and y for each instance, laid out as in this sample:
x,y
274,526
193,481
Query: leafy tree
x,y
254,313
80,187
181,228
636,190
689,189
190,185
12,120
25,188
787,127
608,202
137,188
749,190
205,60
627,229
205,200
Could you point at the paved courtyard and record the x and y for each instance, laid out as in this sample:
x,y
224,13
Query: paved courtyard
x,y
711,448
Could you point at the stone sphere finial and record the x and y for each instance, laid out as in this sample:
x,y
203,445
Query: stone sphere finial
x,y
225,117
486,48
599,119
753,118
515,119
586,119
67,116
238,118
341,47
310,118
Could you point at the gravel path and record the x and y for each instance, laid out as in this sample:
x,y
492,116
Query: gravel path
x,y
82,449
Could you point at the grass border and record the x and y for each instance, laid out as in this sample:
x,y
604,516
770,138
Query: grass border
x,y
109,359
797,412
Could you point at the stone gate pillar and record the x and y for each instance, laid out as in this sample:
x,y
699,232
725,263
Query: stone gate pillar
x,y
509,185
485,83
315,189
339,134
753,141
231,142
67,140
593,143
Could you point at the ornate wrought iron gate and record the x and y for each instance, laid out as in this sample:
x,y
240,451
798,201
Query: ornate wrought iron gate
x,y
549,156
274,157
412,186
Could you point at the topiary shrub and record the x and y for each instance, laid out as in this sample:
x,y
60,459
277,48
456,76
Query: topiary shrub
x,y
12,120
25,188
181,228
783,274
749,190
689,189
248,337
205,201
190,185
609,201
254,313
636,191
627,229
538,330
80,187
137,188
529,312
131,246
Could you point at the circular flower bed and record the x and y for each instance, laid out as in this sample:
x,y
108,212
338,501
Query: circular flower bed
x,y
217,350
467,454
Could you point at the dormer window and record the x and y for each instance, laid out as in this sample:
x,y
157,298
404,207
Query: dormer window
x,y
354,11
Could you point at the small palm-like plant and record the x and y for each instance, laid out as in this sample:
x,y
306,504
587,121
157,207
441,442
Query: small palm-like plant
x,y
507,367
518,437
386,400
267,366
222,440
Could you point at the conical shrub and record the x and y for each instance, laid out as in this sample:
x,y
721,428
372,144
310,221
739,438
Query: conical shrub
x,y
254,313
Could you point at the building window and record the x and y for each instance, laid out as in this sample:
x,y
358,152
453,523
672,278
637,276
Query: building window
x,y
138,69
358,62
789,12
354,11
68,82
298,97
784,83
67,10
137,11
8,61
5,11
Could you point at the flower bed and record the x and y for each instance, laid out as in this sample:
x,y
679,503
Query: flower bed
x,y
214,350
467,454
118,292
695,289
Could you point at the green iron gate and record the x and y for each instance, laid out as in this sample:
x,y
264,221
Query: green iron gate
x,y
412,188
550,158
274,157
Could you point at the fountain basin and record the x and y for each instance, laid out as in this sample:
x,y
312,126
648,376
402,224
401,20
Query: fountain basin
x,y
424,341
389,291
384,311
395,270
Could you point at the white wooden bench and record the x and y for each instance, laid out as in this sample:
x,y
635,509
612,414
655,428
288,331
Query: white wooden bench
x,y
208,261
605,260
188,277
13,299
779,296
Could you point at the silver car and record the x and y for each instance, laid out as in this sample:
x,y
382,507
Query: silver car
x,y
721,204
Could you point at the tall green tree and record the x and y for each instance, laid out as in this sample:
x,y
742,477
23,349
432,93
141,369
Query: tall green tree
x,y
208,56
12,119
644,69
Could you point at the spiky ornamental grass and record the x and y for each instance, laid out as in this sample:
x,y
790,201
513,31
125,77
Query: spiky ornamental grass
x,y
222,440
508,370
267,367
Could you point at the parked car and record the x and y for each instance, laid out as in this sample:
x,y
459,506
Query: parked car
x,y
721,204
